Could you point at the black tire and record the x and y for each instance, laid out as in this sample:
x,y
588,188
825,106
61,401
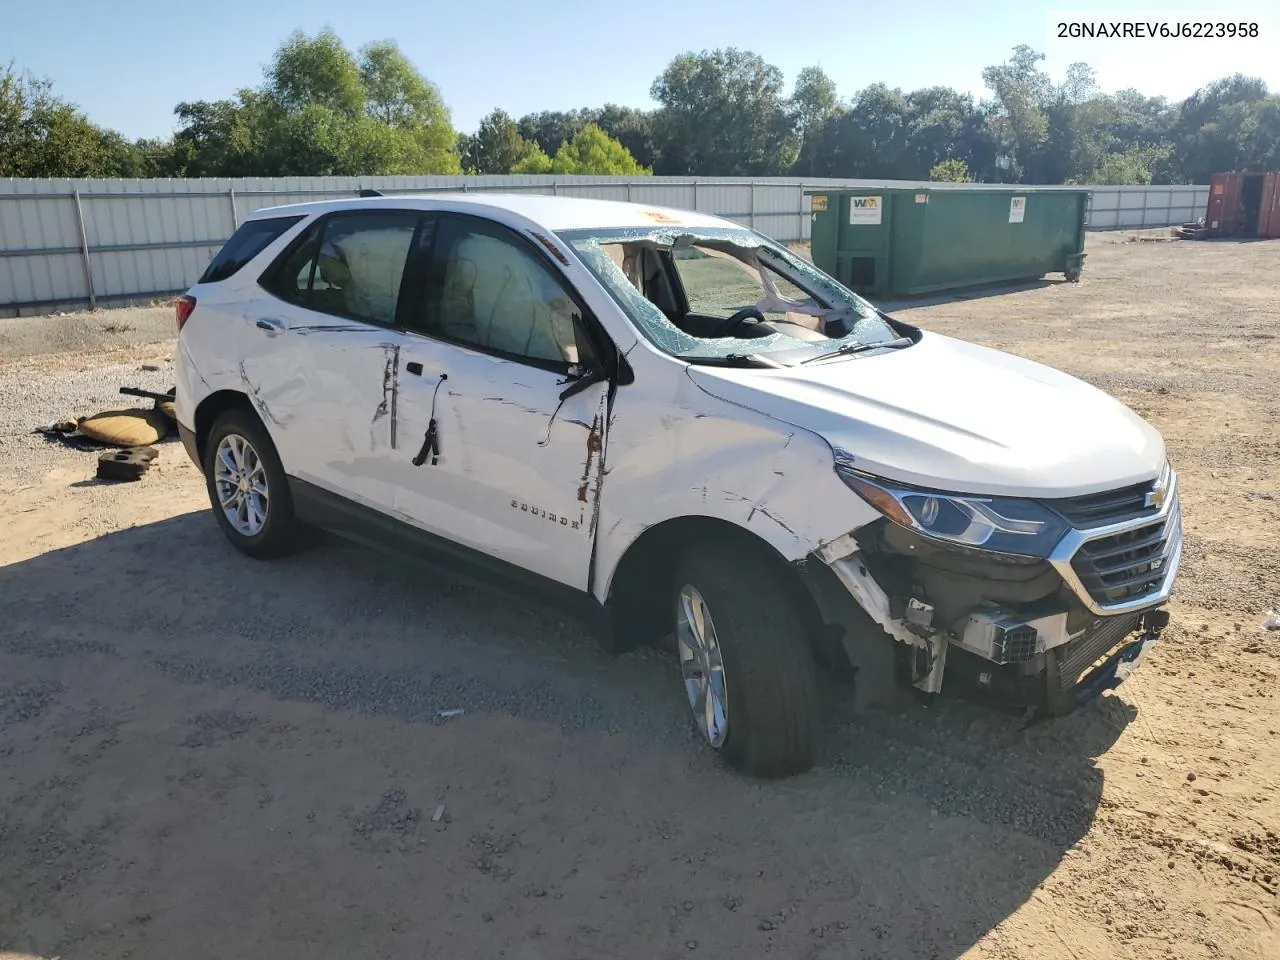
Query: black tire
x,y
278,534
773,716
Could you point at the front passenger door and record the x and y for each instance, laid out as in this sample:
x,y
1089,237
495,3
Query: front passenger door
x,y
516,468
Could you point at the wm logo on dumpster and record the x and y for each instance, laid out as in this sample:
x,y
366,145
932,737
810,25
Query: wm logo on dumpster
x,y
865,209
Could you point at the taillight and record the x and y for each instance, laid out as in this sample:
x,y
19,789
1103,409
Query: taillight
x,y
183,307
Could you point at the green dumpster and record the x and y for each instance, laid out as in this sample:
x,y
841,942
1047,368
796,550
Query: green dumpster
x,y
900,241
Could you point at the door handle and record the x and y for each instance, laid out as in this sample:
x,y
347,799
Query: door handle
x,y
271,326
414,367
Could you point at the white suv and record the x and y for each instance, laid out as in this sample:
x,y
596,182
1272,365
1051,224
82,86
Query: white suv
x,y
683,428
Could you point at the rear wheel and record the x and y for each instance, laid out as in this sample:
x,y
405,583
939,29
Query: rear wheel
x,y
745,661
247,486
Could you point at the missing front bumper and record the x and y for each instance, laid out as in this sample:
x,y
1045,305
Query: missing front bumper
x,y
1061,675
1068,677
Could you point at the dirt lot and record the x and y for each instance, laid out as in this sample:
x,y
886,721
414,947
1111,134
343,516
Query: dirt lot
x,y
201,756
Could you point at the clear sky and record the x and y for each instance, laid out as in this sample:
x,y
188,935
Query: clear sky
x,y
127,62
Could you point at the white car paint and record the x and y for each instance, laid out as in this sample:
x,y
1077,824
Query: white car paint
x,y
950,415
509,481
557,488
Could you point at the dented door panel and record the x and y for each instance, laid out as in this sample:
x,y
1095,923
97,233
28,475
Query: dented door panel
x,y
321,387
513,473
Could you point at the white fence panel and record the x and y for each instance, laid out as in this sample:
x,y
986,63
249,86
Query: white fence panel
x,y
65,243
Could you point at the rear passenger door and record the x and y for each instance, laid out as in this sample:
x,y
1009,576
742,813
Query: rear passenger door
x,y
513,465
323,380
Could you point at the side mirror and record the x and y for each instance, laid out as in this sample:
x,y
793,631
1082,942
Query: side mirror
x,y
582,378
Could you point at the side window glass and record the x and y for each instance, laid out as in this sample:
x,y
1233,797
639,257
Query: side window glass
x,y
495,294
352,268
290,277
249,240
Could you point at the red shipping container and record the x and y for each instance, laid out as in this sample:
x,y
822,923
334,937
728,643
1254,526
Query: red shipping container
x,y
1244,205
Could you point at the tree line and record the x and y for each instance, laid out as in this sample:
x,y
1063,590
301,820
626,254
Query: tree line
x,y
323,109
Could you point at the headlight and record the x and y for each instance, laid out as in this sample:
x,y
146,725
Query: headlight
x,y
999,524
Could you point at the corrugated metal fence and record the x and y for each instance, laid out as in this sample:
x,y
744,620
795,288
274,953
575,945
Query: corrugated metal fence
x,y
68,243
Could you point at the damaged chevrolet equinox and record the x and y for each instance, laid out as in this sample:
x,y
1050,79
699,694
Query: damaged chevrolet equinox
x,y
692,435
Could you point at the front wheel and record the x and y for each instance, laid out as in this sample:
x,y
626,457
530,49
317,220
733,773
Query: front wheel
x,y
247,486
745,661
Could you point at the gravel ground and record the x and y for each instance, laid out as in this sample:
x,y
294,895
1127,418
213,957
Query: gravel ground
x,y
26,337
207,756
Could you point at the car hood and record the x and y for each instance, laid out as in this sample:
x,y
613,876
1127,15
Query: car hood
x,y
955,416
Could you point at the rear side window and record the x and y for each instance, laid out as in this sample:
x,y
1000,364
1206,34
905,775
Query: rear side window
x,y
349,265
251,239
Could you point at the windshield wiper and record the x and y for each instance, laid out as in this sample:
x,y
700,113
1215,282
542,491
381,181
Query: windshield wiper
x,y
736,360
851,348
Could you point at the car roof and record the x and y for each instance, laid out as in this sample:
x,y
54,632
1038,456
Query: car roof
x,y
549,212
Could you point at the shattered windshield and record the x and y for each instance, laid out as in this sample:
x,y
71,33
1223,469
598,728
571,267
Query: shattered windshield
x,y
715,293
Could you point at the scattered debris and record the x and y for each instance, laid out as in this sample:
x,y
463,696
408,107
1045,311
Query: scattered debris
x,y
452,712
1194,230
163,401
438,815
68,432
1273,620
126,464
127,428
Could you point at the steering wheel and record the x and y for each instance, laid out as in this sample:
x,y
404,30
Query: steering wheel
x,y
731,323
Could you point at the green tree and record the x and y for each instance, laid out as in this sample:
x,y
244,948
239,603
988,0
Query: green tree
x,y
226,138
589,151
941,125
548,129
1260,134
497,147
950,171
401,98
723,114
316,70
867,140
321,111
1017,118
42,135
593,151
814,102
534,161
630,127
1137,165
1217,127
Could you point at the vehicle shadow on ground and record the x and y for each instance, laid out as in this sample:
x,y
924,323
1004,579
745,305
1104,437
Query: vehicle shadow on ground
x,y
584,818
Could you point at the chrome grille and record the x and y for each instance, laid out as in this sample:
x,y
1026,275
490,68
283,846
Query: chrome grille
x,y
1130,564
1111,506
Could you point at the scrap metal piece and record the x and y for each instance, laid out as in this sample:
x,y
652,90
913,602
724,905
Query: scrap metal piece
x,y
931,682
126,464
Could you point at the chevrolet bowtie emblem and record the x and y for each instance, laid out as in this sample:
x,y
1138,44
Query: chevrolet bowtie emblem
x,y
1156,497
